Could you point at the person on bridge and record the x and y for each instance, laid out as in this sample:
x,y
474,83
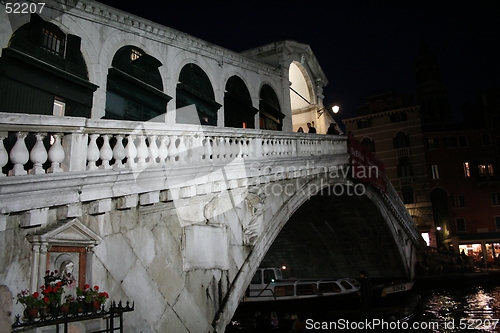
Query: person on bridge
x,y
365,293
312,129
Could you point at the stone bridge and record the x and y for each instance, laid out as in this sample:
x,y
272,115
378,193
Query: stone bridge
x,y
178,218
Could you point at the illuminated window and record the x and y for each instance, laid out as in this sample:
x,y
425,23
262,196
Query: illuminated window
x,y
485,169
466,169
53,40
135,54
435,171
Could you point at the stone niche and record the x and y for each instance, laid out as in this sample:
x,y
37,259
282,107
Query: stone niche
x,y
65,243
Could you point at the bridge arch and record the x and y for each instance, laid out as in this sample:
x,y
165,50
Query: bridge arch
x,y
278,215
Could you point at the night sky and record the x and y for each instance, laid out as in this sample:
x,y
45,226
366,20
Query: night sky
x,y
364,47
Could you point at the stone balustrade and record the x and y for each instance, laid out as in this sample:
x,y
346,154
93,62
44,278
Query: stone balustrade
x,y
66,162
36,144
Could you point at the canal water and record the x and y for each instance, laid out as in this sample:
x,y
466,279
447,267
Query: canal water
x,y
448,304
465,304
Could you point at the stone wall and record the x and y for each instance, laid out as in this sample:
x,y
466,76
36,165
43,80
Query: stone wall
x,y
5,309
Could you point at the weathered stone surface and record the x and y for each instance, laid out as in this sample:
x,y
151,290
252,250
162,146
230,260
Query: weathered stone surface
x,y
5,309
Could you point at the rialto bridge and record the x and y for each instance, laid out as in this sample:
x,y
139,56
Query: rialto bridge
x,y
153,208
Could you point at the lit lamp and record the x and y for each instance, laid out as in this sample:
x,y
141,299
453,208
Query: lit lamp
x,y
335,109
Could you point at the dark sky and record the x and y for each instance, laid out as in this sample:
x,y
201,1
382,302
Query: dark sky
x,y
364,47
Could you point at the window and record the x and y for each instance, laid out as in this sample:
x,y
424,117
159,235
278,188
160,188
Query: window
x,y
53,40
497,222
408,195
435,171
398,117
59,108
365,123
135,54
467,169
495,198
462,141
485,169
369,144
450,142
432,143
460,225
457,201
486,139
404,167
401,140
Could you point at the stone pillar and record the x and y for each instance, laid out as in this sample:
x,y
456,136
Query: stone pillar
x,y
5,309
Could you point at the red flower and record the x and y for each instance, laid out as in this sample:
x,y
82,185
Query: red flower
x,y
87,286
96,288
46,300
36,294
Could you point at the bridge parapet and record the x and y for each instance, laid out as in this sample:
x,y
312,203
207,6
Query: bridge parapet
x,y
86,160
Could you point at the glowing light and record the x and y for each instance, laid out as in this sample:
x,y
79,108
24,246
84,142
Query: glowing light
x,y
283,267
438,228
335,109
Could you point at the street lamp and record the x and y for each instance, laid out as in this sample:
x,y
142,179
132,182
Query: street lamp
x,y
335,109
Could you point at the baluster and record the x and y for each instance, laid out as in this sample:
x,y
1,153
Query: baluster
x,y
56,154
19,155
196,149
153,149
130,151
4,157
92,152
207,149
142,151
38,155
118,152
215,148
182,149
163,150
172,150
265,147
106,153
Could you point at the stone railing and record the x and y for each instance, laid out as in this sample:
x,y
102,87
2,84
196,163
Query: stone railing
x,y
63,162
36,144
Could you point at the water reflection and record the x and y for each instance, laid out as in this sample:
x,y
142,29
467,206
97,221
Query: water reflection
x,y
471,309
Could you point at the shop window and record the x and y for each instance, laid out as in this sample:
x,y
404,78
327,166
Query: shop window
x,y
134,87
195,89
462,141
450,142
238,109
457,201
460,225
466,169
435,171
497,222
270,115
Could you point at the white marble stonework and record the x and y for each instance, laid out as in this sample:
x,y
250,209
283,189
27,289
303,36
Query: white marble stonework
x,y
174,217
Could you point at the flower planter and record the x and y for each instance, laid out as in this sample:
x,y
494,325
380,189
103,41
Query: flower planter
x,y
31,313
96,305
65,309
